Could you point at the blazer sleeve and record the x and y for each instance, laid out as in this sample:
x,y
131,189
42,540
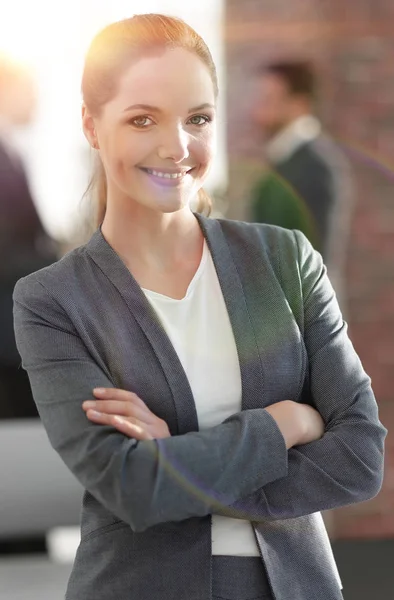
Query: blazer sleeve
x,y
141,482
346,465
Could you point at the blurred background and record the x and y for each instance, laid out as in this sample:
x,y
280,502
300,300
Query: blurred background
x,y
280,130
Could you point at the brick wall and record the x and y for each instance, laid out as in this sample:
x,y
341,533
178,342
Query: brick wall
x,y
353,47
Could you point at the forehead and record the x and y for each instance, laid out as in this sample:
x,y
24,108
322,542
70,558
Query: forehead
x,y
169,79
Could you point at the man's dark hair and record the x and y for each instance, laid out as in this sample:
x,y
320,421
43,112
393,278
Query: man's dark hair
x,y
299,76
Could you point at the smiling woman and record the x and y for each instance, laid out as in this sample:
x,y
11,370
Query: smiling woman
x,y
194,374
149,110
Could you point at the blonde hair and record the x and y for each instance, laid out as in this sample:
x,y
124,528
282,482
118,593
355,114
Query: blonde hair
x,y
108,56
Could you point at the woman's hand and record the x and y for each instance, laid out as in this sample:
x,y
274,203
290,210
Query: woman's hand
x,y
126,412
298,423
311,424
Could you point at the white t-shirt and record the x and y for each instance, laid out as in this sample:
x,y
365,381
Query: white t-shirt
x,y
200,331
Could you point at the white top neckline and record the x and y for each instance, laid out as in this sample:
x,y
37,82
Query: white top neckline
x,y
192,284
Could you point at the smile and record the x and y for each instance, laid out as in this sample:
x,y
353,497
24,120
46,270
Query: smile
x,y
167,177
167,174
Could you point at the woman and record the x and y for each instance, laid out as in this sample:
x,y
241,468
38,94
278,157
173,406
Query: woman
x,y
194,374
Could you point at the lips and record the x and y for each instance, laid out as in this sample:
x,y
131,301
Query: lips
x,y
167,177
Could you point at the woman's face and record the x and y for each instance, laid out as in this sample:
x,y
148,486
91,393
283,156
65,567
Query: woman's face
x,y
156,137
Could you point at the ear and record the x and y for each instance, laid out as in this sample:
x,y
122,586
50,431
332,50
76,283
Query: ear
x,y
89,128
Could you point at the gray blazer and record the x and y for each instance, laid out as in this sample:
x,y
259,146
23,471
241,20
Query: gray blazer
x,y
146,522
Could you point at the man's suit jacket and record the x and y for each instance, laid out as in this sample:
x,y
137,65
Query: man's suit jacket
x,y
311,191
146,523
24,245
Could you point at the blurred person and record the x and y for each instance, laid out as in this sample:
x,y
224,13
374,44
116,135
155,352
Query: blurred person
x,y
193,373
308,185
24,244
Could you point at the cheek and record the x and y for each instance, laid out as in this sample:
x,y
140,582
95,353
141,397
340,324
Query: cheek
x,y
125,152
203,150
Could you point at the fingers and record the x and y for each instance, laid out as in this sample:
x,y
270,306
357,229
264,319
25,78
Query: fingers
x,y
109,407
132,428
133,405
117,407
117,394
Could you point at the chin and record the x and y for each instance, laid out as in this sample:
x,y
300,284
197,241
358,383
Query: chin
x,y
172,205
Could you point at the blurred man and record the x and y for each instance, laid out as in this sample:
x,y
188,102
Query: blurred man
x,y
24,245
308,184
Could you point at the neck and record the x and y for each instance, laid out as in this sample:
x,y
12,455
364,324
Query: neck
x,y
151,238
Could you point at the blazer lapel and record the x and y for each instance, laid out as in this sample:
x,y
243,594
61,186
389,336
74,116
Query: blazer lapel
x,y
252,375
271,352
116,271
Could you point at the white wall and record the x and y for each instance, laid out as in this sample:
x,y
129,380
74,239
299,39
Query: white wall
x,y
53,37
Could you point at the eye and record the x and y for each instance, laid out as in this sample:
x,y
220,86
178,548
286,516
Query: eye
x,y
141,122
200,120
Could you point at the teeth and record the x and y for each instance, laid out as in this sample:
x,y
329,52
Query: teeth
x,y
165,175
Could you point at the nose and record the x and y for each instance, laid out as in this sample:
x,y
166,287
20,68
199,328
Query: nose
x,y
174,144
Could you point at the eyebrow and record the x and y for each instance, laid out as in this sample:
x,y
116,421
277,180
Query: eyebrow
x,y
150,108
